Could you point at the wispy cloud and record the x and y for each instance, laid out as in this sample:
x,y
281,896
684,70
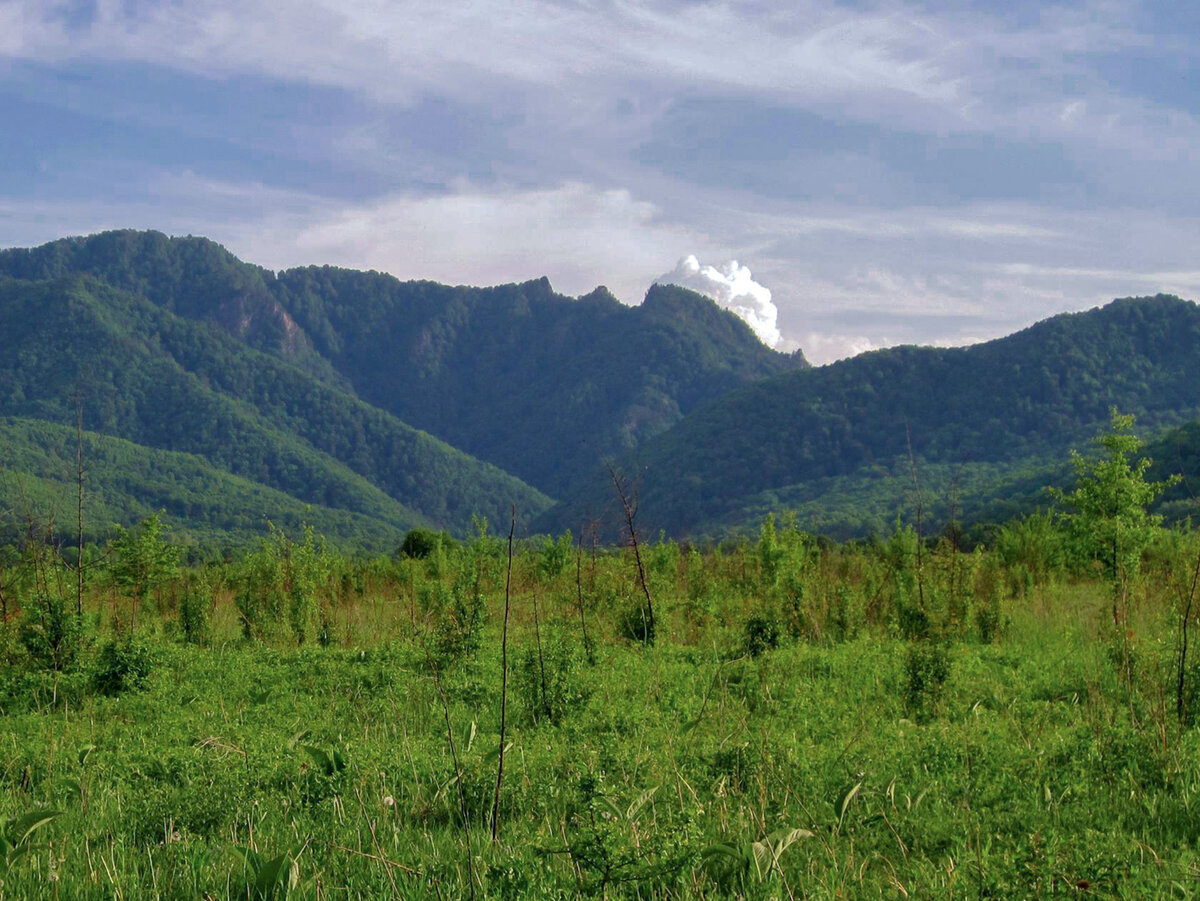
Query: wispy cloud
x,y
894,171
580,236
395,49
577,235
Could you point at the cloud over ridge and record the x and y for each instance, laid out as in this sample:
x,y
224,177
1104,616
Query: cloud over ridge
x,y
733,287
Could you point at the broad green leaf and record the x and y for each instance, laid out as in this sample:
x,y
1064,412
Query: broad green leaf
x,y
71,788
278,876
321,758
723,850
494,754
639,802
782,839
763,858
846,801
251,861
22,827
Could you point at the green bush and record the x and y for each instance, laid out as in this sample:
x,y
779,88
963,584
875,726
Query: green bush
x,y
636,624
761,633
547,683
123,666
735,764
926,669
51,632
419,544
458,630
194,607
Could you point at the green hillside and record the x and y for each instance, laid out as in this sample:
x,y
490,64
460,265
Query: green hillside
x,y
125,482
537,383
974,417
164,382
328,385
1178,452
194,278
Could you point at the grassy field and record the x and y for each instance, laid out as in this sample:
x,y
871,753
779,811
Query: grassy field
x,y
845,722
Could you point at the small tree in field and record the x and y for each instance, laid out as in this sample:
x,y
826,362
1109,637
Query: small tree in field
x,y
1109,506
142,561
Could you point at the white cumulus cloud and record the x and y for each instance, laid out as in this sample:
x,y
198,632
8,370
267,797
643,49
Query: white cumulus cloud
x,y
733,287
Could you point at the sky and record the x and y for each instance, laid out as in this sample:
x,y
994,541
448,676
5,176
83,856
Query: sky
x,y
869,173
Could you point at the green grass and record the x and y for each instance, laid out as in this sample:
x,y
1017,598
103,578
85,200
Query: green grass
x,y
1040,766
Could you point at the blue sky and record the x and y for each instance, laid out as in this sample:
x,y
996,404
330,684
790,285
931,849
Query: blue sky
x,y
893,172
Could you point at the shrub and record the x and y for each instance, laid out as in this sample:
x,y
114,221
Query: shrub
x,y
194,607
259,600
123,666
419,544
926,668
458,632
735,764
547,683
636,624
554,555
51,632
761,633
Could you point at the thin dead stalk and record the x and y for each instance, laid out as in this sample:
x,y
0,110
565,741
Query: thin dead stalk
x,y
79,473
912,465
1185,619
587,645
462,797
629,507
512,528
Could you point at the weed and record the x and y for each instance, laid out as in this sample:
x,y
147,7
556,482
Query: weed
x,y
17,837
547,684
265,879
195,606
730,866
458,632
324,775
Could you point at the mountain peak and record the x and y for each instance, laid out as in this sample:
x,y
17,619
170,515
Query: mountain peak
x,y
600,294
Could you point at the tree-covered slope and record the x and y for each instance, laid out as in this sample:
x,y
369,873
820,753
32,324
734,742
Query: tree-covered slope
x,y
540,384
126,482
1029,396
537,383
1178,453
165,382
194,278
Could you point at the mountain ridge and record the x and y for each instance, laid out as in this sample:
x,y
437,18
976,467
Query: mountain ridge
x,y
1029,394
173,384
339,387
534,382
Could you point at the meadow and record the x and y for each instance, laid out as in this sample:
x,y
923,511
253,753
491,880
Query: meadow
x,y
794,719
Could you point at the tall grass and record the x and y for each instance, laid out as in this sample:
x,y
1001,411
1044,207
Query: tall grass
x,y
795,731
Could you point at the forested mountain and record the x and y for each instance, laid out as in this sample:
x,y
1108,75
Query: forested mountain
x,y
976,419
194,278
1178,452
309,387
125,482
142,373
537,383
540,384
